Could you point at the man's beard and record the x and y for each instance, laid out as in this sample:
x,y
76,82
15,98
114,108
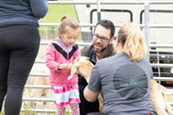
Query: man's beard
x,y
99,51
103,49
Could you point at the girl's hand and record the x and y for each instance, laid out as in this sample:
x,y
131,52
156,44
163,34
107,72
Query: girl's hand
x,y
66,66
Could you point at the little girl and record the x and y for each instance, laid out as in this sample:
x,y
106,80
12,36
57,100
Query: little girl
x,y
60,54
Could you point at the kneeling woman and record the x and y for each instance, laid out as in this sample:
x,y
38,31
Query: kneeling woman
x,y
123,79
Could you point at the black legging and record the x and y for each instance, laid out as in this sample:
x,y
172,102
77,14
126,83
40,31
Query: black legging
x,y
19,46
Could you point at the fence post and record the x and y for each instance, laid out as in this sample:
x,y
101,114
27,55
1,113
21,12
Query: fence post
x,y
146,15
98,11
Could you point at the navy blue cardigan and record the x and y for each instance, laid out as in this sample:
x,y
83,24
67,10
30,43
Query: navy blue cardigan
x,y
14,12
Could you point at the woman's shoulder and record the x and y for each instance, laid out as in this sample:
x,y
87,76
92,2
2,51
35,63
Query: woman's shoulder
x,y
113,58
106,61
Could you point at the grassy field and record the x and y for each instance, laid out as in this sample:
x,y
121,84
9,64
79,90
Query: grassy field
x,y
57,11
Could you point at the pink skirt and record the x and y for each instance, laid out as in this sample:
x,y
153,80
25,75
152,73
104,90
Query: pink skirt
x,y
62,96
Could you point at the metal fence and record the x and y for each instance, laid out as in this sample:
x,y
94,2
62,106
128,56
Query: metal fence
x,y
146,26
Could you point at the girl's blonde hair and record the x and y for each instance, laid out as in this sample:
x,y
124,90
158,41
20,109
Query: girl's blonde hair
x,y
67,23
131,38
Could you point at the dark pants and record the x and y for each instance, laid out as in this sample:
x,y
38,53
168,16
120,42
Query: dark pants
x,y
85,106
19,46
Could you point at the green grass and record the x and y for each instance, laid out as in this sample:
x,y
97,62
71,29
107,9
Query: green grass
x,y
57,11
29,112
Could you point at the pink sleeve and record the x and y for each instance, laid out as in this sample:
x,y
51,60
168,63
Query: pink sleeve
x,y
50,58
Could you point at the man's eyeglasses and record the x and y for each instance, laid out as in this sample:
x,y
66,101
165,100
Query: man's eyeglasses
x,y
102,39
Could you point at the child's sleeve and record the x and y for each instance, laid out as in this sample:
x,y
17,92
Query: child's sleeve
x,y
50,58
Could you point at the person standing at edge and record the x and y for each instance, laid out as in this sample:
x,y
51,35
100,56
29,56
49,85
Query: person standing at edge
x,y
124,79
102,47
19,44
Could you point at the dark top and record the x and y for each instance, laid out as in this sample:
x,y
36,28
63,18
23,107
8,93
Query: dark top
x,y
14,12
